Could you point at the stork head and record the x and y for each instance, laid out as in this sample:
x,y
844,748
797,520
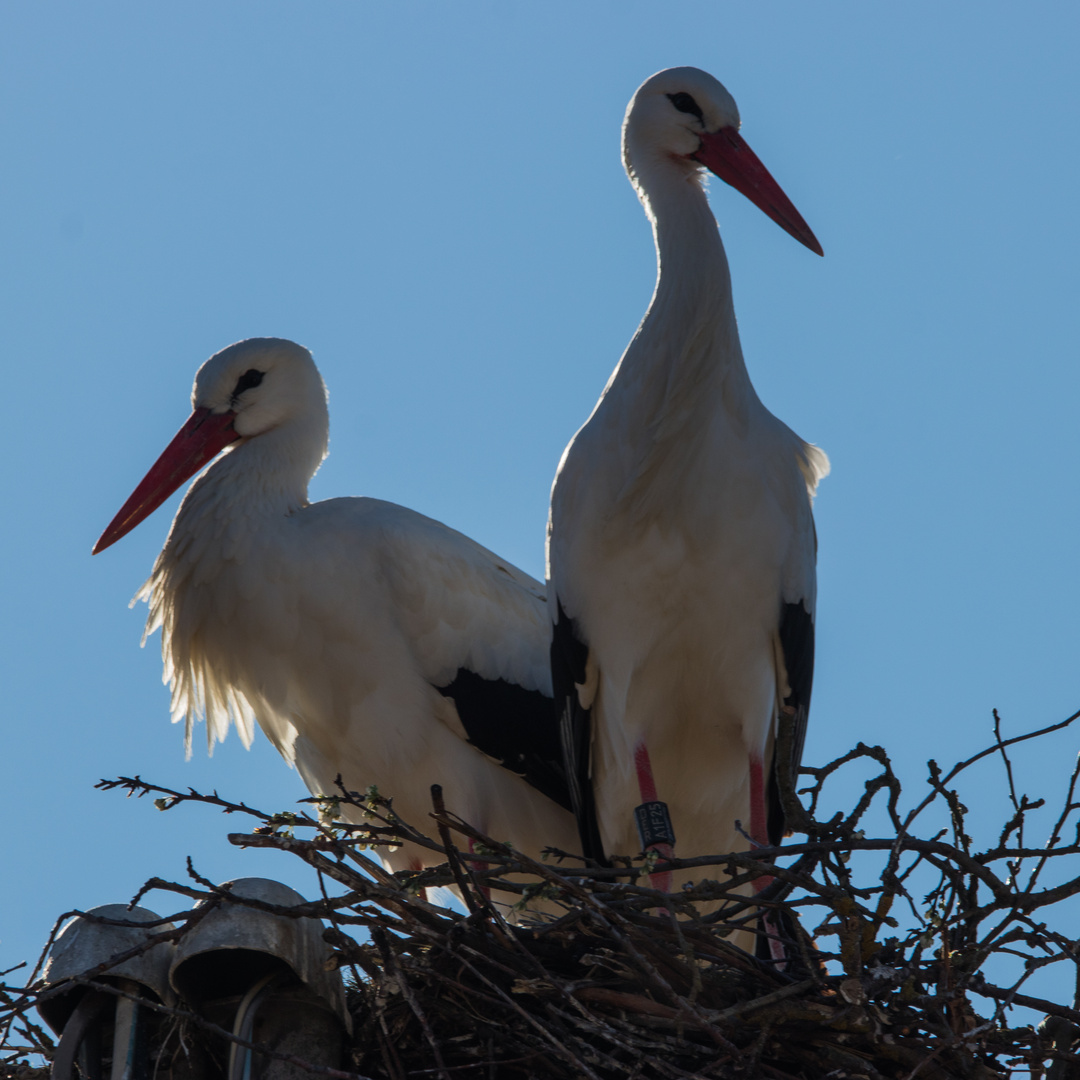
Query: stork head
x,y
682,120
261,387
669,114
261,384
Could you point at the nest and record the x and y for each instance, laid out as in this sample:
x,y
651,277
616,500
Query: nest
x,y
878,980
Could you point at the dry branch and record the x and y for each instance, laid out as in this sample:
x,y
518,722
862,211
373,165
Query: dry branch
x,y
618,980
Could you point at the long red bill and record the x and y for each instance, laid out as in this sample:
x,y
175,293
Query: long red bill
x,y
726,154
200,440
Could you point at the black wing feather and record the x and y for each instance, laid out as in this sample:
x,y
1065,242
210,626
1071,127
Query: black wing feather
x,y
515,726
797,643
569,655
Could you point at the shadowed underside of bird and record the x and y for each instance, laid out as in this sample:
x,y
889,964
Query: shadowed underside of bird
x,y
681,543
366,640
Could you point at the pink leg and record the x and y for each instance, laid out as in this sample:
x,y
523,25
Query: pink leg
x,y
415,865
478,865
759,831
647,787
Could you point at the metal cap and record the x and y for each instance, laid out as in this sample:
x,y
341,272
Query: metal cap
x,y
234,945
83,946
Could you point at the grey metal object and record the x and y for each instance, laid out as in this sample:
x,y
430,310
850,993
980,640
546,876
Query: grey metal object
x,y
234,946
95,1025
266,978
83,946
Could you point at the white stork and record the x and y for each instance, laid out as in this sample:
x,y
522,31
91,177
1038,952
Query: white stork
x,y
364,638
681,544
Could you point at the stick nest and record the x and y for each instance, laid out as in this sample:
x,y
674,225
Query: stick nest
x,y
906,953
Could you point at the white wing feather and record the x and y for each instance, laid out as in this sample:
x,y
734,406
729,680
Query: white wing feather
x,y
368,566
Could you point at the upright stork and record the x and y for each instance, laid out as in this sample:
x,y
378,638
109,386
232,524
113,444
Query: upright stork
x,y
365,639
681,544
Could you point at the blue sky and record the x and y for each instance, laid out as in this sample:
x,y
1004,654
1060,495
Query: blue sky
x,y
430,197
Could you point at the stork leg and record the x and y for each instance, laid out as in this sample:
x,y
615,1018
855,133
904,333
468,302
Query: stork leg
x,y
647,788
760,833
479,865
415,865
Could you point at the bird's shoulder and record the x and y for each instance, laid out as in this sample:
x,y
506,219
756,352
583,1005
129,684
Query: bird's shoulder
x,y
460,604
398,535
801,463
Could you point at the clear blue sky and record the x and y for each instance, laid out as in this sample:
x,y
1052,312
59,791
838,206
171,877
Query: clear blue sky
x,y
430,197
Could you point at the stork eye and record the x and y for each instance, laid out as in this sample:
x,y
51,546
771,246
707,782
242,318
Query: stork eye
x,y
685,103
249,379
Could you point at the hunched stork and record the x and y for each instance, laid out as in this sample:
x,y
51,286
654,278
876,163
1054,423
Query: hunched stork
x,y
681,543
365,639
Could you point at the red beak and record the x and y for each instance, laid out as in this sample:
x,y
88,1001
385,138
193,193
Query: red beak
x,y
197,442
726,154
